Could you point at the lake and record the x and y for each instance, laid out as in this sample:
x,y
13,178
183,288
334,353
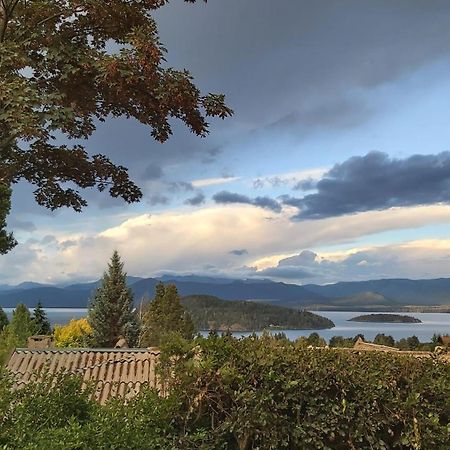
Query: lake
x,y
432,323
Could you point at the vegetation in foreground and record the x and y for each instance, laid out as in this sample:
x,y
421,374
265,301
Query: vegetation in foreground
x,y
265,393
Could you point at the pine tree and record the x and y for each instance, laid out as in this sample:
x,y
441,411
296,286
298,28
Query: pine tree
x,y
17,332
110,311
165,315
3,319
40,320
22,324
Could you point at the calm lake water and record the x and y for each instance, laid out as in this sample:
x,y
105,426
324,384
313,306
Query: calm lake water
x,y
438,323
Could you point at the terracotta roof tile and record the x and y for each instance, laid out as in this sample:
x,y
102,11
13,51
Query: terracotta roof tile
x,y
115,372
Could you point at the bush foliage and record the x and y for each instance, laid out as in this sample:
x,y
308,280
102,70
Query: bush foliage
x,y
76,334
253,393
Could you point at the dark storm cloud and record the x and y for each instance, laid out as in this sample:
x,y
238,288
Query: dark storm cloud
x,y
239,252
158,199
376,182
289,273
198,199
152,172
177,186
297,65
306,69
301,74
339,113
307,184
226,197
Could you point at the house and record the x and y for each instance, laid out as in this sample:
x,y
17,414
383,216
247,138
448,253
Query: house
x,y
444,340
119,372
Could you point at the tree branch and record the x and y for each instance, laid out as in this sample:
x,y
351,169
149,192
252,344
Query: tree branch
x,y
6,12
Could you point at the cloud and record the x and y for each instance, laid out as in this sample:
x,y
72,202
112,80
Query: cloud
x,y
338,113
376,182
176,186
213,181
307,184
17,224
211,155
415,259
239,252
291,178
158,199
198,199
152,172
226,197
207,236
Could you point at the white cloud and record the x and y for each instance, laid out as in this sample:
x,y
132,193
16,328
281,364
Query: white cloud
x,y
201,240
416,259
289,178
204,182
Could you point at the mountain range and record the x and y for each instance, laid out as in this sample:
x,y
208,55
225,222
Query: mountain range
x,y
374,295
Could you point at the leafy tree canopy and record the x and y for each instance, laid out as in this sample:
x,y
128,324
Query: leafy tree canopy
x,y
382,339
7,242
67,65
75,334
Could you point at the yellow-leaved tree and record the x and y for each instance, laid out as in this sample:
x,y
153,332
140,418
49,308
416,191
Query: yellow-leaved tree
x,y
75,334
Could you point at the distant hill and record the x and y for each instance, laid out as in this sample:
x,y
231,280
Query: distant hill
x,y
210,312
404,291
51,297
373,295
363,301
236,290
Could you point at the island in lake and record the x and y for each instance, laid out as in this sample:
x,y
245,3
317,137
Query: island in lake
x,y
385,318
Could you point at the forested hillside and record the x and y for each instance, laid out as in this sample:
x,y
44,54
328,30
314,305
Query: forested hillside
x,y
210,312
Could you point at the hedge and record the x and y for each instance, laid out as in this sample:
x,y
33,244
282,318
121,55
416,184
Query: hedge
x,y
253,393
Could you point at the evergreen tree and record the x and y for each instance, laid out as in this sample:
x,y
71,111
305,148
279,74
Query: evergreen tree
x,y
17,332
3,319
40,320
22,325
110,311
413,342
165,315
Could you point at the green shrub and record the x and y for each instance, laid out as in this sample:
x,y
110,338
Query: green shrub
x,y
267,394
255,393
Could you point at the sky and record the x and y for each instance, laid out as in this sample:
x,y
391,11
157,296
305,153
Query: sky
x,y
334,167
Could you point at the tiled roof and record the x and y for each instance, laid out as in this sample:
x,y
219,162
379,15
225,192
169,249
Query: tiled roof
x,y
114,372
362,345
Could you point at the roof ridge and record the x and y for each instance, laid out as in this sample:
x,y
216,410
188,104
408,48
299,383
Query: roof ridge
x,y
153,350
